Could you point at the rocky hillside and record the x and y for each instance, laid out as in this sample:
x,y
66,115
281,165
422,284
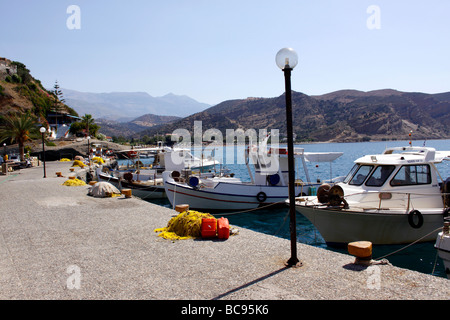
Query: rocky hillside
x,y
347,115
21,92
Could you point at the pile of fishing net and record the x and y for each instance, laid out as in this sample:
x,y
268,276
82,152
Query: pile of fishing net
x,y
78,163
74,183
98,160
186,225
103,190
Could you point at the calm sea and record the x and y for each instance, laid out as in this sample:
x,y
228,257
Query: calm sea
x,y
420,257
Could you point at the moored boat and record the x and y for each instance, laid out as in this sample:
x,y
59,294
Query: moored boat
x,y
268,185
443,246
146,182
389,198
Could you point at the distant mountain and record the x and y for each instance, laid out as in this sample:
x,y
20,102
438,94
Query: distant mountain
x,y
346,115
125,129
125,106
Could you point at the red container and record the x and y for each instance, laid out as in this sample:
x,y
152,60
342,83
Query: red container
x,y
223,228
209,226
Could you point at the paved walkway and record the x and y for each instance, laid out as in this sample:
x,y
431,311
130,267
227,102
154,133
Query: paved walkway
x,y
56,242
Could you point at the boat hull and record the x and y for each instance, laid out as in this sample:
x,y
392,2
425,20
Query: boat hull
x,y
443,247
139,190
340,227
144,191
226,196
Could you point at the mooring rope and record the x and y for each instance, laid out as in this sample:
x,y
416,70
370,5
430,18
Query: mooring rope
x,y
409,245
254,209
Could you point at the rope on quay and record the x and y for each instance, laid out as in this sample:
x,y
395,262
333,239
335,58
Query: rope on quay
x,y
383,260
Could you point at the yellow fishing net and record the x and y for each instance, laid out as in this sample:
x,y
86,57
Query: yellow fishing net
x,y
186,225
98,160
65,160
78,163
74,183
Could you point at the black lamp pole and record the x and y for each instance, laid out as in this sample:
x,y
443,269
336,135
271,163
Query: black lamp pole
x,y
291,166
43,152
286,60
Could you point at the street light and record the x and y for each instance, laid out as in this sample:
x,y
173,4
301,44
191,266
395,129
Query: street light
x,y
286,60
42,130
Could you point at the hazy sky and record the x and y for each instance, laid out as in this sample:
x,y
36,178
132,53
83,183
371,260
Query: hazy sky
x,y
215,50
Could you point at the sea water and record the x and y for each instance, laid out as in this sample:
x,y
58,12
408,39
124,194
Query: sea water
x,y
420,257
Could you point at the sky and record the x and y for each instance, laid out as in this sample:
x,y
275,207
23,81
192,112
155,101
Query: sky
x,y
217,50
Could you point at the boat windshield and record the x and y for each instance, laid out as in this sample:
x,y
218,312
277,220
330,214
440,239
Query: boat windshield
x,y
351,173
379,176
412,175
360,174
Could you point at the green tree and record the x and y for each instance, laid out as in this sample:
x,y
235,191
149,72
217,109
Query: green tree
x,y
58,93
87,121
18,128
87,124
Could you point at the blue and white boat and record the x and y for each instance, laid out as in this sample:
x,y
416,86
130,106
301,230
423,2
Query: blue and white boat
x,y
147,182
268,185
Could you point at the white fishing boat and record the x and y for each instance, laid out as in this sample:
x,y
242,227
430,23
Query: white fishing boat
x,y
146,181
443,246
268,185
161,153
389,198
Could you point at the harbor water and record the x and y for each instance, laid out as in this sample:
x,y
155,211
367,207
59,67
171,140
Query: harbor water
x,y
420,257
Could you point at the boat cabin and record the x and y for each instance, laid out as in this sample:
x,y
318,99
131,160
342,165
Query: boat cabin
x,y
272,168
399,177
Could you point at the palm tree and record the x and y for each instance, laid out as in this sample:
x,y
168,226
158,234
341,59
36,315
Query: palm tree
x,y
88,121
18,128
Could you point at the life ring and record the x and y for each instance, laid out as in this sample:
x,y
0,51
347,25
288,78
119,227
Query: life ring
x,y
411,219
261,197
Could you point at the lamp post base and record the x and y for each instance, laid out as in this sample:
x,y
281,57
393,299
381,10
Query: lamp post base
x,y
293,263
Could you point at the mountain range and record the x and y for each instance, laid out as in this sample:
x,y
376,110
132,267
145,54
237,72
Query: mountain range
x,y
126,106
346,115
126,129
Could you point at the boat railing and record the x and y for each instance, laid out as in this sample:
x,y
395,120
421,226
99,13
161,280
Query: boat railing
x,y
392,199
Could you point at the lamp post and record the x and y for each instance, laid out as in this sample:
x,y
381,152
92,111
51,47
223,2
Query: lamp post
x,y
286,60
42,130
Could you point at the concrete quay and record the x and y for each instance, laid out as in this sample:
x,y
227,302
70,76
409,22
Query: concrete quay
x,y
58,243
